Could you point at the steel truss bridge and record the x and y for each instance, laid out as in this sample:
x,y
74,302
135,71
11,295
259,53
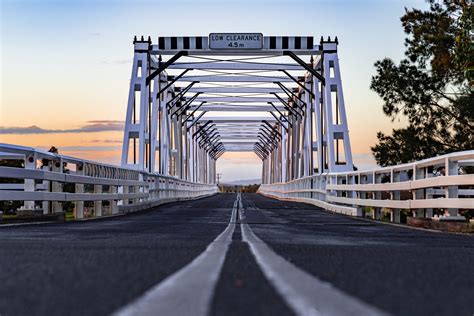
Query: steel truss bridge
x,y
190,102
191,99
185,111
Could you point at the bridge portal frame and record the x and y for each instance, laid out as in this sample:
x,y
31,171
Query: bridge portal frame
x,y
163,135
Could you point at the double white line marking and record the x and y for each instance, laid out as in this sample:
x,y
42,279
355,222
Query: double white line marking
x,y
189,291
303,293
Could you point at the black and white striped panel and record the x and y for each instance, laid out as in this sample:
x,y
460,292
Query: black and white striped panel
x,y
269,42
288,42
183,43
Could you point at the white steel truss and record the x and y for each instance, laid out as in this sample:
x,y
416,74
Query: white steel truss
x,y
289,111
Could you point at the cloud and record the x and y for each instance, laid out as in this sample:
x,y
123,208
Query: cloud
x,y
83,148
91,127
107,141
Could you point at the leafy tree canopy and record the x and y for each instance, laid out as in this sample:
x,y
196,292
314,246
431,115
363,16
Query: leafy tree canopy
x,y
431,86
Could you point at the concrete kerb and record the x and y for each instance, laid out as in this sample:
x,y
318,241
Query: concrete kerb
x,y
141,208
346,210
361,218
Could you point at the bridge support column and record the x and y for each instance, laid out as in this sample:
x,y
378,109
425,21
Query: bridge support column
x,y
307,135
155,124
137,121
318,121
284,156
165,136
334,114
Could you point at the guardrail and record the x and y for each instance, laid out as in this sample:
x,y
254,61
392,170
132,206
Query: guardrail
x,y
443,184
44,181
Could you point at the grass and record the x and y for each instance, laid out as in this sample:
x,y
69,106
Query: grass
x,y
70,216
8,216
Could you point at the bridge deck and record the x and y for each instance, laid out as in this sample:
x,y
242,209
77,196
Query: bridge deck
x,y
98,267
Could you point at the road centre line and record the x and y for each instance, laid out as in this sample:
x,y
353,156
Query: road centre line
x,y
304,293
188,291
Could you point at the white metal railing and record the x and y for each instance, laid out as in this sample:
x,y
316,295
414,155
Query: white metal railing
x,y
443,183
44,181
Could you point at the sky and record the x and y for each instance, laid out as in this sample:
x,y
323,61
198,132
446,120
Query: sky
x,y
65,65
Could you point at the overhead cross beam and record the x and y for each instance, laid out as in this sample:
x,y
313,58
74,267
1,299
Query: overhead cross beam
x,y
200,128
234,65
196,120
289,93
194,111
297,82
185,106
279,120
305,65
180,94
287,106
173,80
162,67
281,114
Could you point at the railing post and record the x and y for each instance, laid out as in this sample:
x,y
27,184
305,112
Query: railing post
x,y
353,194
363,194
113,202
151,189
138,189
79,205
418,174
97,204
125,189
46,188
395,195
57,186
160,188
29,186
429,211
377,178
451,192
324,183
146,188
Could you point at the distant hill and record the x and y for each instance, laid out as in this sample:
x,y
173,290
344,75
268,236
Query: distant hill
x,y
243,182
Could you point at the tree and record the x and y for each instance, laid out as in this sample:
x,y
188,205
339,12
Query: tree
x,y
431,86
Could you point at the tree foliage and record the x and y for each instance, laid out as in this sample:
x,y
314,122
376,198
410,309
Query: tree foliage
x,y
431,86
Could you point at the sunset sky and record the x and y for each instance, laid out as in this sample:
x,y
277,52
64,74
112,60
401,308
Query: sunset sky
x,y
65,65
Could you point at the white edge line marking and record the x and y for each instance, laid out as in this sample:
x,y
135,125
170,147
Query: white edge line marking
x,y
188,291
304,293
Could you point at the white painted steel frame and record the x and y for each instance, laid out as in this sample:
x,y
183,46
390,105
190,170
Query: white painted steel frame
x,y
302,118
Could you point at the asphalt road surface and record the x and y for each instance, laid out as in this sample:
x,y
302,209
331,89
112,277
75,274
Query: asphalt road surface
x,y
234,255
